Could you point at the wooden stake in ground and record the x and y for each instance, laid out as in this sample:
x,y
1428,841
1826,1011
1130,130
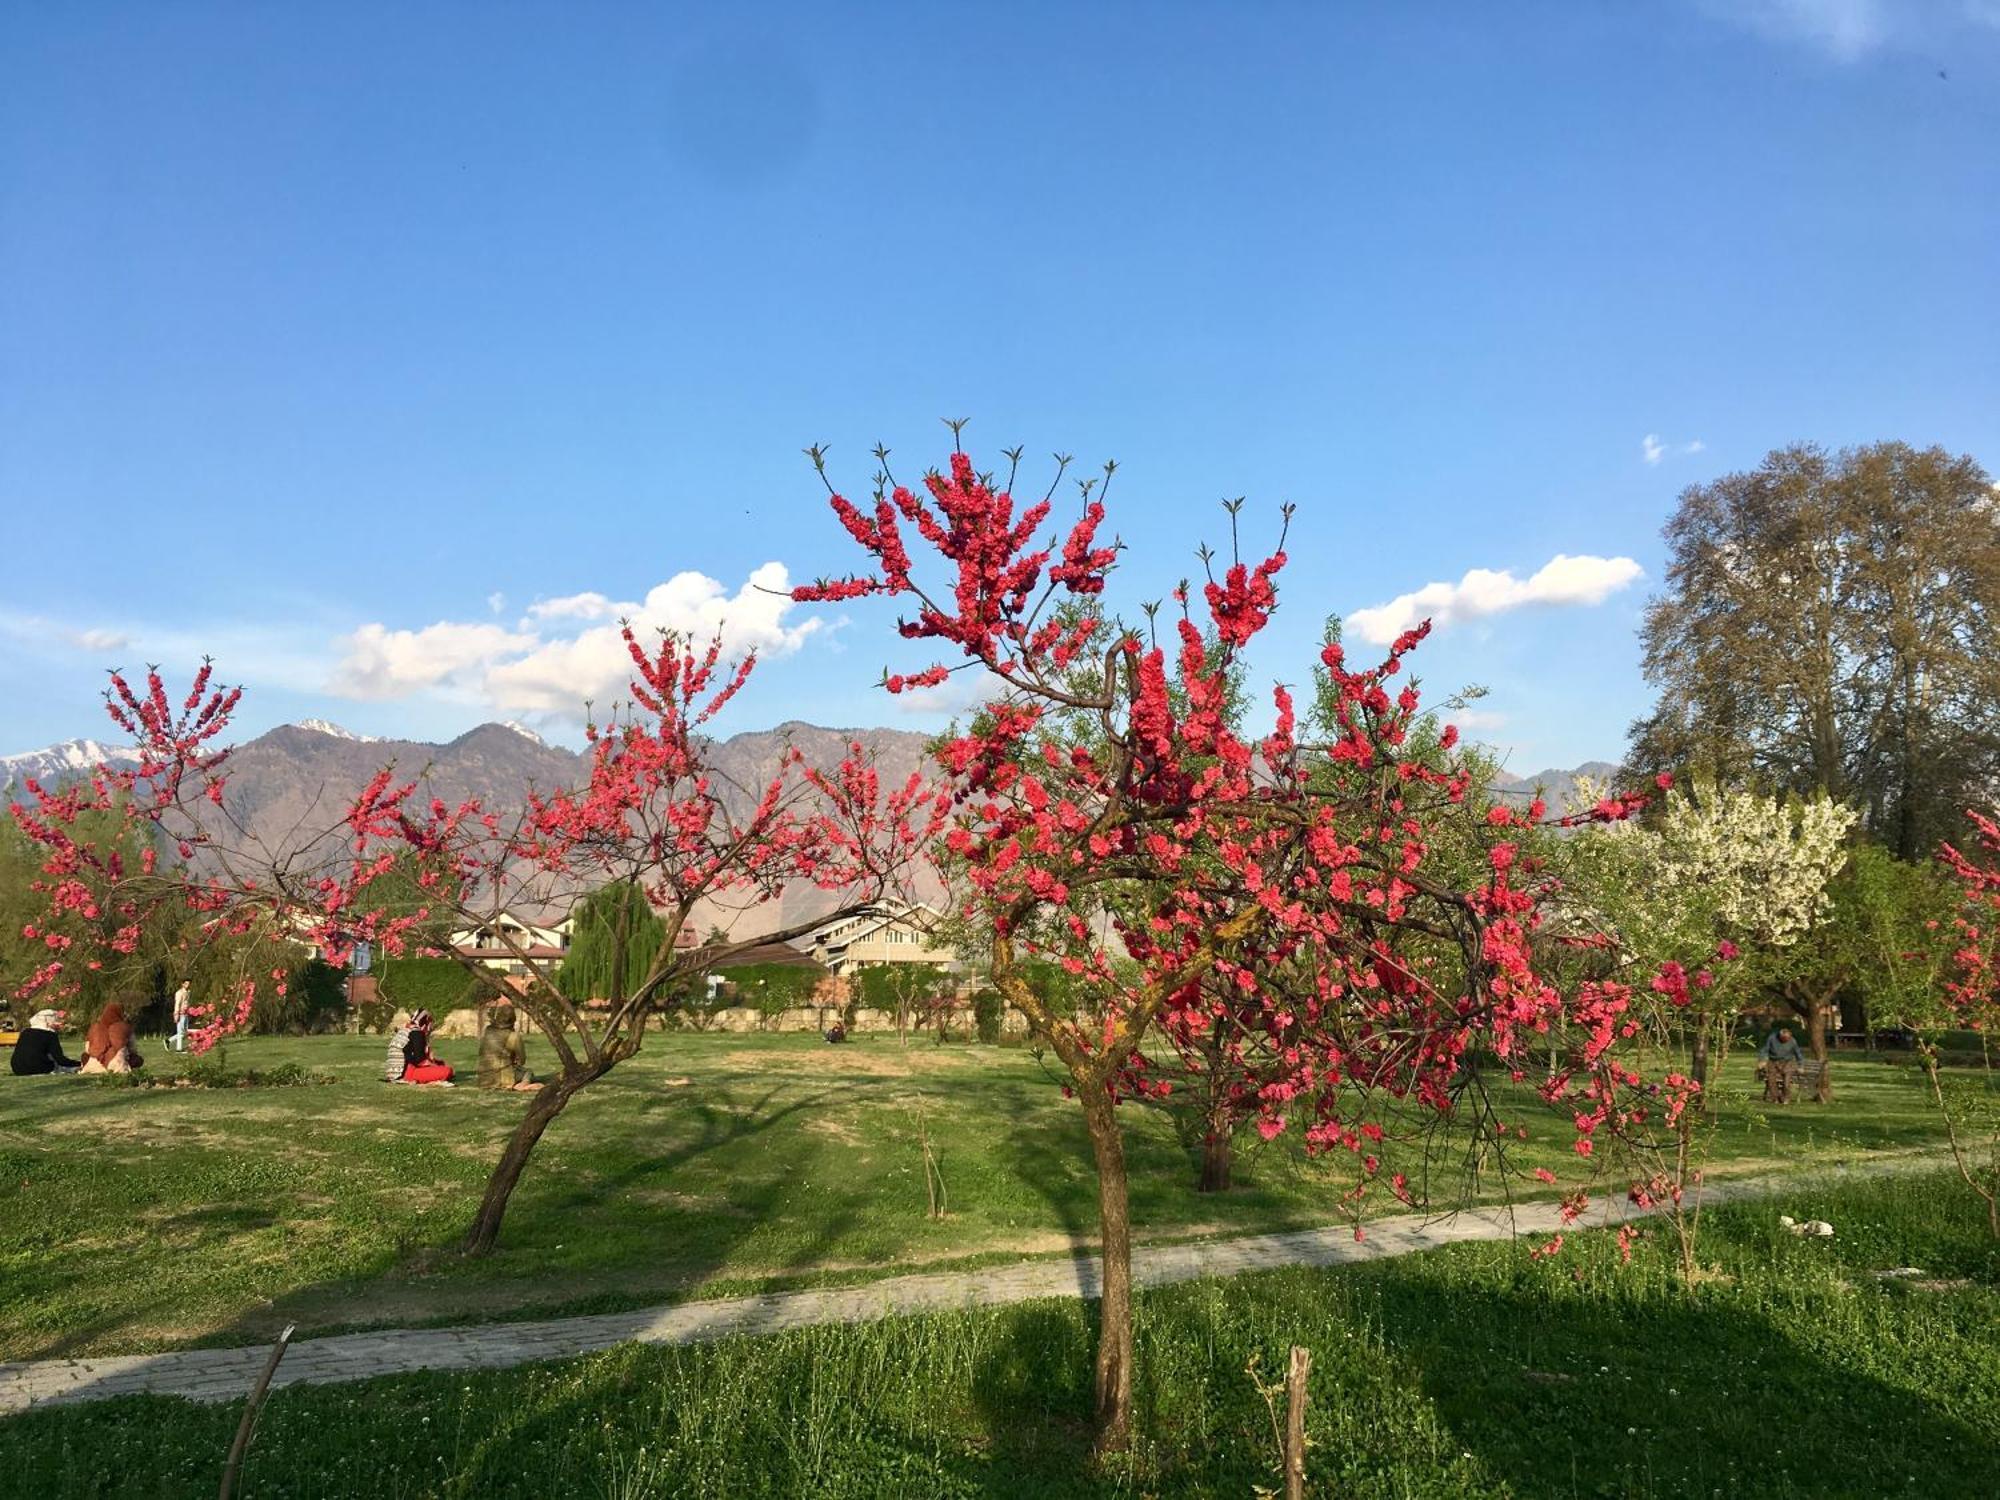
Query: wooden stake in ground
x,y
248,1425
1295,1423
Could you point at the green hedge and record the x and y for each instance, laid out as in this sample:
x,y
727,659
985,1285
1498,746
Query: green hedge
x,y
885,986
783,986
433,984
315,997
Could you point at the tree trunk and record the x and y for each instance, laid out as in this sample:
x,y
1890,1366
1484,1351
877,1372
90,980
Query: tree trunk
x,y
542,1111
1114,1317
1698,1052
1215,1159
1816,1039
1295,1423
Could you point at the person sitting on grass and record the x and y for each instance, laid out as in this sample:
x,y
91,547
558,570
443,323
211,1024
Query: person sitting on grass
x,y
410,1059
40,1048
107,1046
1779,1059
503,1056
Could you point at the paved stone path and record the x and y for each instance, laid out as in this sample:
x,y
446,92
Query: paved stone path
x,y
224,1374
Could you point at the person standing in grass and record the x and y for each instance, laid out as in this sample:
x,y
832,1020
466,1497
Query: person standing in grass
x,y
503,1056
1779,1059
39,1049
183,1004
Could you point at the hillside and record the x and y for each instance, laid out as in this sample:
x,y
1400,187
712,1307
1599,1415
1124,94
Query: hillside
x,y
293,782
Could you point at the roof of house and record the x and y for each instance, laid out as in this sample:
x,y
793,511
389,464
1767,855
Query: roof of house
x,y
532,950
920,918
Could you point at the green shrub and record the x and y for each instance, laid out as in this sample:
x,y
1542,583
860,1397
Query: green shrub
x,y
213,1072
986,1013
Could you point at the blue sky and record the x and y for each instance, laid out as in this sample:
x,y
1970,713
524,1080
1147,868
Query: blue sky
x,y
384,352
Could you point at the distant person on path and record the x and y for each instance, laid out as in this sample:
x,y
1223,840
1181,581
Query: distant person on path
x,y
40,1048
107,1046
503,1056
1779,1059
183,1003
410,1059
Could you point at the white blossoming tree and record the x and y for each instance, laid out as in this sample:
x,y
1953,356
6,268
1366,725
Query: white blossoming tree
x,y
1725,872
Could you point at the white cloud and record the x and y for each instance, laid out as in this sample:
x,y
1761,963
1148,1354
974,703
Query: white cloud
x,y
586,606
1653,448
539,668
378,662
98,640
1848,30
496,601
1843,28
1476,718
1484,591
955,697
39,630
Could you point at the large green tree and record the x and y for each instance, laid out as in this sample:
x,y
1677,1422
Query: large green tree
x,y
1831,623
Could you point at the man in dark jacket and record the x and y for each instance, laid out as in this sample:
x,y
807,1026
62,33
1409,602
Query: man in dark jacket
x,y
1779,1058
40,1048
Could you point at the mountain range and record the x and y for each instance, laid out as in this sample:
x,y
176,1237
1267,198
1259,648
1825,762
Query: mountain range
x,y
294,781
1557,786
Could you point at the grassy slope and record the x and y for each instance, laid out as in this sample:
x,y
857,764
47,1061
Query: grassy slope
x,y
1472,1371
144,1219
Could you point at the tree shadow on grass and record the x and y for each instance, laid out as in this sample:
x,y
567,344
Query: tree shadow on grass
x,y
1470,1388
1672,1396
397,1286
1449,1382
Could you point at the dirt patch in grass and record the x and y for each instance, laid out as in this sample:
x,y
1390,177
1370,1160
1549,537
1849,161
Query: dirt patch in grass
x,y
687,1203
1047,1242
835,1130
840,1060
129,1132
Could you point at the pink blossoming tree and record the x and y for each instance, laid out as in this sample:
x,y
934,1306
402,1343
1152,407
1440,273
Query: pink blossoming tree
x,y
1197,879
651,814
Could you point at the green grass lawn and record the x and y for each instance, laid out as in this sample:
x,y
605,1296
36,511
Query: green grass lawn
x,y
1791,1370
145,1219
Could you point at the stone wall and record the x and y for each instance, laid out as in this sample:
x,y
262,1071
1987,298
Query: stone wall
x,y
465,1024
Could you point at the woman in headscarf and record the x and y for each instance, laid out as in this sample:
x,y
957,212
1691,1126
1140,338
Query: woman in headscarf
x,y
419,1065
107,1046
40,1048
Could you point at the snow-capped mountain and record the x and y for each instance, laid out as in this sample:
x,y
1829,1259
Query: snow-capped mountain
x,y
327,726
524,731
57,761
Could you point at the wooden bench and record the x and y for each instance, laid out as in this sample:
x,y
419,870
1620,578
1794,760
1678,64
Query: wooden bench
x,y
1806,1077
